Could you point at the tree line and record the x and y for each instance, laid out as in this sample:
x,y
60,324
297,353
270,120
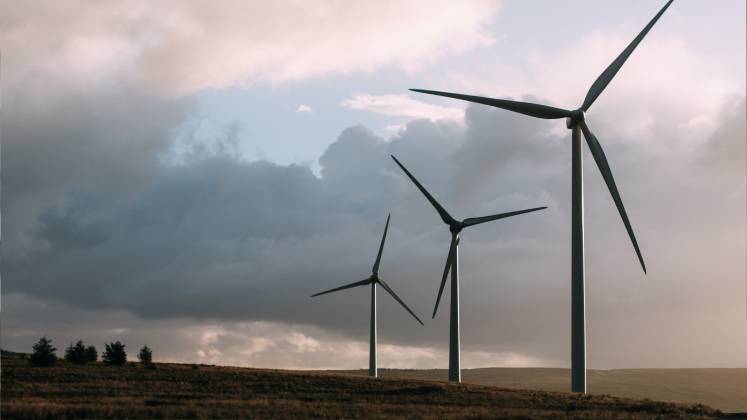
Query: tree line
x,y
114,354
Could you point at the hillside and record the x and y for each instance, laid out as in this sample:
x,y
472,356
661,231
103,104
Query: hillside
x,y
725,389
173,390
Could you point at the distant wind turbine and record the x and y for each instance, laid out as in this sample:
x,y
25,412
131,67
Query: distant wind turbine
x,y
452,263
575,121
373,280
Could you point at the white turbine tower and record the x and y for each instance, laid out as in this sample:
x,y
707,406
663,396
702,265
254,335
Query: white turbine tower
x,y
452,263
575,121
373,280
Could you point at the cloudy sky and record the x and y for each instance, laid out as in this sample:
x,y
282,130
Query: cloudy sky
x,y
186,174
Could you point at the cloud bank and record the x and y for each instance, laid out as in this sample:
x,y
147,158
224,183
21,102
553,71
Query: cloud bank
x,y
216,238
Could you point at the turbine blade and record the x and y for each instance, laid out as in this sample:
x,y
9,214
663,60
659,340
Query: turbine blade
x,y
347,286
606,77
526,108
449,259
604,168
477,220
381,247
394,295
445,216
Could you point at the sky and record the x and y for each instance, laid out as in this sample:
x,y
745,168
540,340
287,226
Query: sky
x,y
186,175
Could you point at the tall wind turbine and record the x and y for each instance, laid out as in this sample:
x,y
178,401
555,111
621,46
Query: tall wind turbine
x,y
373,280
452,263
575,121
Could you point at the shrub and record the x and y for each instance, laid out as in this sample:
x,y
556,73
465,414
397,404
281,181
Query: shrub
x,y
91,354
43,354
115,354
76,353
145,356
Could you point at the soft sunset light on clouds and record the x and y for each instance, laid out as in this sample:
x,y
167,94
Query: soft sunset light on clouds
x,y
183,47
402,106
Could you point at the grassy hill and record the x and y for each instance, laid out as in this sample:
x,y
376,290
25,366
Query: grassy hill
x,y
191,391
725,389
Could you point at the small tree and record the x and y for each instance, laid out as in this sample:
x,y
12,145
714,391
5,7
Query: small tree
x,y
91,354
77,353
43,354
115,354
145,356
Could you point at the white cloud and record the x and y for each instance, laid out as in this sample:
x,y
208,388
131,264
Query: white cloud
x,y
392,129
402,106
181,47
303,108
277,345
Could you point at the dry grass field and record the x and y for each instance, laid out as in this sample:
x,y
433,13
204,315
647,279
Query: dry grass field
x,y
190,391
725,389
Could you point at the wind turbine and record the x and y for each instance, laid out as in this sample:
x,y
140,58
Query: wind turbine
x,y
575,121
452,262
373,280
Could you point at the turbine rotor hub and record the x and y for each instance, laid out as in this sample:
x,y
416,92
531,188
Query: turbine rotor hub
x,y
456,227
577,117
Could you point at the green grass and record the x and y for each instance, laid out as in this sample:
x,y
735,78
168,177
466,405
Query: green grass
x,y
183,391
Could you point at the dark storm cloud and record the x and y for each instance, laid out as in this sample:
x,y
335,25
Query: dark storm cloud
x,y
70,148
107,225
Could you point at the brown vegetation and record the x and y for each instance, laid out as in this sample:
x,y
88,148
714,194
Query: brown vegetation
x,y
724,389
182,391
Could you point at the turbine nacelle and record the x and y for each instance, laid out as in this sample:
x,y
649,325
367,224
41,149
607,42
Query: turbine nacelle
x,y
578,116
456,227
